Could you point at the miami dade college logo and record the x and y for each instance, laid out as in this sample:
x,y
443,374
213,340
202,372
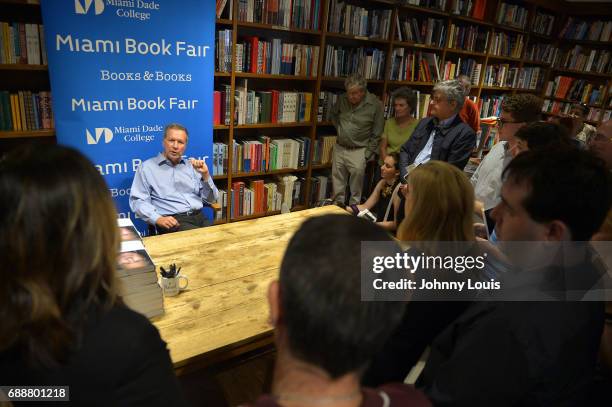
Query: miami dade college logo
x,y
82,6
99,131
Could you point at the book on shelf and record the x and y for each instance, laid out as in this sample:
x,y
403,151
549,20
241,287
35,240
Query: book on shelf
x,y
224,51
432,4
323,149
505,76
578,90
578,58
25,111
259,197
487,136
270,106
498,75
301,14
423,105
512,15
221,105
421,30
507,45
222,201
462,66
320,189
470,38
344,61
224,8
22,43
490,106
348,19
543,23
327,99
415,66
136,271
268,154
556,107
541,52
559,108
220,159
577,29
469,8
275,57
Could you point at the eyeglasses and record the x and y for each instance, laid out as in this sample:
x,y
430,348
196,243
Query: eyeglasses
x,y
501,122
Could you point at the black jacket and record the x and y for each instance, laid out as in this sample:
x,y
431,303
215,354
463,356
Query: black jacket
x,y
453,143
517,353
121,361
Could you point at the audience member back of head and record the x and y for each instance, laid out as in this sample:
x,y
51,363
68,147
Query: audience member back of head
x,y
63,322
325,334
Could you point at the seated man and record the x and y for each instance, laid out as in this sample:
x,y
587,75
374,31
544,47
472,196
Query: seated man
x,y
168,191
535,353
517,111
325,334
444,136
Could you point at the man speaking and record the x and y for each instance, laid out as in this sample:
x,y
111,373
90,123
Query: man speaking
x,y
169,191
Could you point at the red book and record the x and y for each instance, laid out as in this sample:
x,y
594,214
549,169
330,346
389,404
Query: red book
x,y
479,9
254,41
275,95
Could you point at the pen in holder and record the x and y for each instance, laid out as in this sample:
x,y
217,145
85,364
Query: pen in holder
x,y
171,282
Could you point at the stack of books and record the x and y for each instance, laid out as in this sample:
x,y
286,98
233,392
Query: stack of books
x,y
136,271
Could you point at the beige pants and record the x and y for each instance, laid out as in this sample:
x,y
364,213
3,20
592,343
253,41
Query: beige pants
x,y
348,166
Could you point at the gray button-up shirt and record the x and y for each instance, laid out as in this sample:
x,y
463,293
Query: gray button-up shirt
x,y
359,126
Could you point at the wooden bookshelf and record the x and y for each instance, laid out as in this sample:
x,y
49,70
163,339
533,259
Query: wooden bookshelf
x,y
407,44
471,20
321,166
279,77
320,82
23,67
272,125
271,27
27,134
574,72
268,173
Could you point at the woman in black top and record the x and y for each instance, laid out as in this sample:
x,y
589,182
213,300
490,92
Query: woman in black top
x,y
380,201
63,323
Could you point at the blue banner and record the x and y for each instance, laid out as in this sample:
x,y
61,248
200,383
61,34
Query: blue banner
x,y
120,71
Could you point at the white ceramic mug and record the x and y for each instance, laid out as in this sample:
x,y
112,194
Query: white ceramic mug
x,y
172,286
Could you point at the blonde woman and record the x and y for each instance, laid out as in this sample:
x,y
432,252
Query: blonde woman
x,y
439,205
439,208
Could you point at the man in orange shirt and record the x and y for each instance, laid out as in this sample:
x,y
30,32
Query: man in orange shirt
x,y
470,113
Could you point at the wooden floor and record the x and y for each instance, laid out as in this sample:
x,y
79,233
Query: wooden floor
x,y
232,384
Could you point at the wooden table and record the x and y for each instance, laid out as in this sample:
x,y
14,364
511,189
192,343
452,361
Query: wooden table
x,y
224,311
